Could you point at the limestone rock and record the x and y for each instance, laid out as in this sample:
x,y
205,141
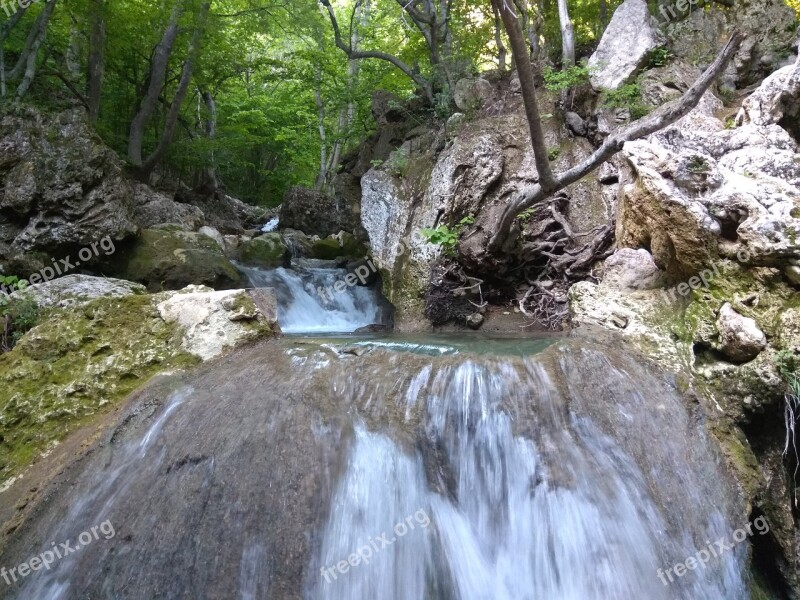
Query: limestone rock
x,y
341,245
216,322
76,290
315,213
776,101
174,259
224,213
268,250
629,269
697,38
61,187
740,338
153,208
702,191
471,94
624,48
213,234
575,123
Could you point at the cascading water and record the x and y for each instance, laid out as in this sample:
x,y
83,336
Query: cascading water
x,y
309,301
565,471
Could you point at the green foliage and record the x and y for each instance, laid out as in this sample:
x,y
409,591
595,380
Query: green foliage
x,y
526,214
698,164
397,164
445,236
553,154
727,95
627,96
17,315
658,57
566,79
730,123
787,364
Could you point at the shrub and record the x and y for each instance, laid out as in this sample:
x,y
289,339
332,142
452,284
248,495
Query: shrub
x,y
658,57
445,236
629,97
555,81
17,315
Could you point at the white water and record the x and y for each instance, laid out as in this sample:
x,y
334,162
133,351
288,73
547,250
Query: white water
x,y
309,303
565,514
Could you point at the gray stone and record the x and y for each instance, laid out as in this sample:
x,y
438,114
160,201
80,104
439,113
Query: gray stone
x,y
153,208
475,320
629,269
575,123
471,94
625,46
214,323
315,213
213,234
75,290
61,187
740,338
792,273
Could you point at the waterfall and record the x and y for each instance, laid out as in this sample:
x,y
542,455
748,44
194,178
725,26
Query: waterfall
x,y
574,473
316,299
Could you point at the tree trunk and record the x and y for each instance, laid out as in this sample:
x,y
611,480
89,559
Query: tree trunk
x,y
26,63
180,94
567,36
96,63
158,72
549,184
502,53
323,147
209,181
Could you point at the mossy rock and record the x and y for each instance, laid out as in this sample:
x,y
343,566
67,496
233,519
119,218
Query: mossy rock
x,y
267,251
75,365
343,245
171,260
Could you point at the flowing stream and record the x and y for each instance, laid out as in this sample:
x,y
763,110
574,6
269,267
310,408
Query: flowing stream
x,y
388,467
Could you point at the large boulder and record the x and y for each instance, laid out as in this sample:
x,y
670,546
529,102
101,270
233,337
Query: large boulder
x,y
76,290
315,213
341,245
223,212
776,101
696,36
471,94
214,323
268,250
625,46
153,208
740,338
701,191
61,188
89,353
172,259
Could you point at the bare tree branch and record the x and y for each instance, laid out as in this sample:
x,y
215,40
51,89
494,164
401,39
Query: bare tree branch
x,y
661,118
423,83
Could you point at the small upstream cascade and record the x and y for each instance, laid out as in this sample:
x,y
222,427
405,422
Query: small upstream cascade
x,y
309,301
357,469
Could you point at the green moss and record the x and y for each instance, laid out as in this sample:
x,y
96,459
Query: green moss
x,y
333,247
77,364
265,251
174,259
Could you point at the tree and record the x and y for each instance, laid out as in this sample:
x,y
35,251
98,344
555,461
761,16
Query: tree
x,y
96,61
567,35
157,77
549,183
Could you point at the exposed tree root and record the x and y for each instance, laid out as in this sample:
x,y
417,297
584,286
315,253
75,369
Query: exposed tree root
x,y
553,258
